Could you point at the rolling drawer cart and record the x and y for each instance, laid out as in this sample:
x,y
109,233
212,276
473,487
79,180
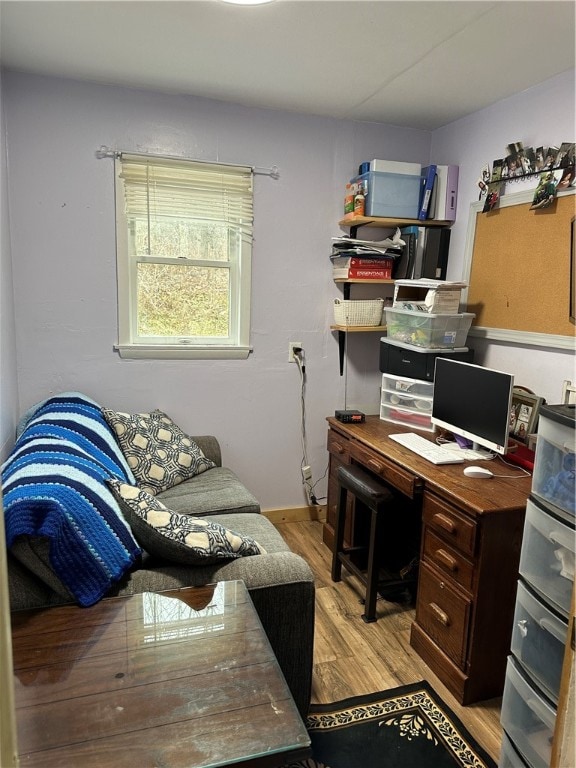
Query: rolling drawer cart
x,y
542,612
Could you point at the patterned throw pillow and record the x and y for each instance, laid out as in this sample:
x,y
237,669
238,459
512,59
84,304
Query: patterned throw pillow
x,y
175,537
158,452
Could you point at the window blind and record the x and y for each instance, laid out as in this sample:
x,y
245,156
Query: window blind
x,y
162,187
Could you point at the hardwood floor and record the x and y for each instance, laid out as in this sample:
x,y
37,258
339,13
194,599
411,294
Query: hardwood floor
x,y
352,658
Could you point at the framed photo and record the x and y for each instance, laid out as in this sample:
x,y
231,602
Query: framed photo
x,y
523,414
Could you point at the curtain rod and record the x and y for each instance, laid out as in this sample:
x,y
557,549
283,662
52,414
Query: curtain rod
x,y
104,151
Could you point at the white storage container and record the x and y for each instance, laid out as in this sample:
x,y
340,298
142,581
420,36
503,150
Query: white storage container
x,y
554,478
527,717
426,295
547,556
394,166
362,312
509,758
407,385
407,402
538,639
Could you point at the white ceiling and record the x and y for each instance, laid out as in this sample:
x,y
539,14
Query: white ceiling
x,y
410,63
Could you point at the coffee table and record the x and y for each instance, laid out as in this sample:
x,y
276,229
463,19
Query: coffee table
x,y
178,679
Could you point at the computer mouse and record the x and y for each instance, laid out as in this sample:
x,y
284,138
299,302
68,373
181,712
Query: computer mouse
x,y
480,472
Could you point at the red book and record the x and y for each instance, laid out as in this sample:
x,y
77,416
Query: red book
x,y
358,261
363,273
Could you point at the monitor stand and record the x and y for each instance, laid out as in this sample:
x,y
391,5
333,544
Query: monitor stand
x,y
468,450
477,453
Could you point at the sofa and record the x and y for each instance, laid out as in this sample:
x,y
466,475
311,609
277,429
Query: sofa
x,y
46,563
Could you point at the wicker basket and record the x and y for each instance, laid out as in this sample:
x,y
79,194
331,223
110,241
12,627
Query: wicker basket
x,y
365,313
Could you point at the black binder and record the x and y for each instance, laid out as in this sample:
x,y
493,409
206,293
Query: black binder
x,y
435,261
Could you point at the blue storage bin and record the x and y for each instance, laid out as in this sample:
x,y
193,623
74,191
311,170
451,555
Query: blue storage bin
x,y
393,195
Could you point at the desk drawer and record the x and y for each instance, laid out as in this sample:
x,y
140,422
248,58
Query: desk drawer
x,y
459,531
338,445
443,614
448,560
399,478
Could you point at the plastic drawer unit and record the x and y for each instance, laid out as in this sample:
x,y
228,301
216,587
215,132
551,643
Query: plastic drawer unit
x,y
527,717
422,329
554,479
538,639
407,402
547,556
509,757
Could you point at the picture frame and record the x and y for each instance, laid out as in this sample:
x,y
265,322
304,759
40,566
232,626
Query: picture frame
x,y
523,414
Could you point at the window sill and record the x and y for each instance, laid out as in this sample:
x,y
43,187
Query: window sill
x,y
180,352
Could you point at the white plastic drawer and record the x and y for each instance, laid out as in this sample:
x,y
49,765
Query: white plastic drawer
x,y
407,386
509,757
527,718
554,478
538,639
407,400
407,417
547,556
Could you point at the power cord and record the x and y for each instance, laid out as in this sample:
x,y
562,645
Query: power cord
x,y
515,466
305,467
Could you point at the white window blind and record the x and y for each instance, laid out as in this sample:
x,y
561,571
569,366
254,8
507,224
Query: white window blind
x,y
186,189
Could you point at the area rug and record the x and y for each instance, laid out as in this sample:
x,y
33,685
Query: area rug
x,y
407,727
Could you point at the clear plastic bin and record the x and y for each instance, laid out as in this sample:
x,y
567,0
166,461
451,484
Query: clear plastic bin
x,y
527,717
554,478
509,757
395,195
422,329
547,556
538,640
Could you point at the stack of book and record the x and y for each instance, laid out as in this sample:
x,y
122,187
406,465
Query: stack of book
x,y
363,259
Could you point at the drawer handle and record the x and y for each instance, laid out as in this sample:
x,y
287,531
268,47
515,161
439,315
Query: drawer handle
x,y
565,540
375,466
338,448
554,628
541,712
442,557
439,614
444,522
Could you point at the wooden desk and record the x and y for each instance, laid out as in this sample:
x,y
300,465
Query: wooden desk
x,y
178,679
469,552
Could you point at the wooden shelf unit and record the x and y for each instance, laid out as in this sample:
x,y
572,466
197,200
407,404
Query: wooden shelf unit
x,y
353,223
386,223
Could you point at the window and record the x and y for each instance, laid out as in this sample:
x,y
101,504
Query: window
x,y
184,248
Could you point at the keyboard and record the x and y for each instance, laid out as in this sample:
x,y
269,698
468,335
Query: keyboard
x,y
426,449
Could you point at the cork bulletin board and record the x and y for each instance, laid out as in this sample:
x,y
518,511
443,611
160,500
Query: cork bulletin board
x,y
518,269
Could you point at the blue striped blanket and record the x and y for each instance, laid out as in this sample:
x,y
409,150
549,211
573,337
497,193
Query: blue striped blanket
x,y
56,497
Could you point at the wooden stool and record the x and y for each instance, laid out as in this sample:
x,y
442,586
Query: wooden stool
x,y
374,497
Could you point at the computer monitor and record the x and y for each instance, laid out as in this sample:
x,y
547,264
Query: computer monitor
x,y
473,402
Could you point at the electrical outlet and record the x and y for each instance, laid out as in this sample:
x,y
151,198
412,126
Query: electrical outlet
x,y
306,473
291,346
